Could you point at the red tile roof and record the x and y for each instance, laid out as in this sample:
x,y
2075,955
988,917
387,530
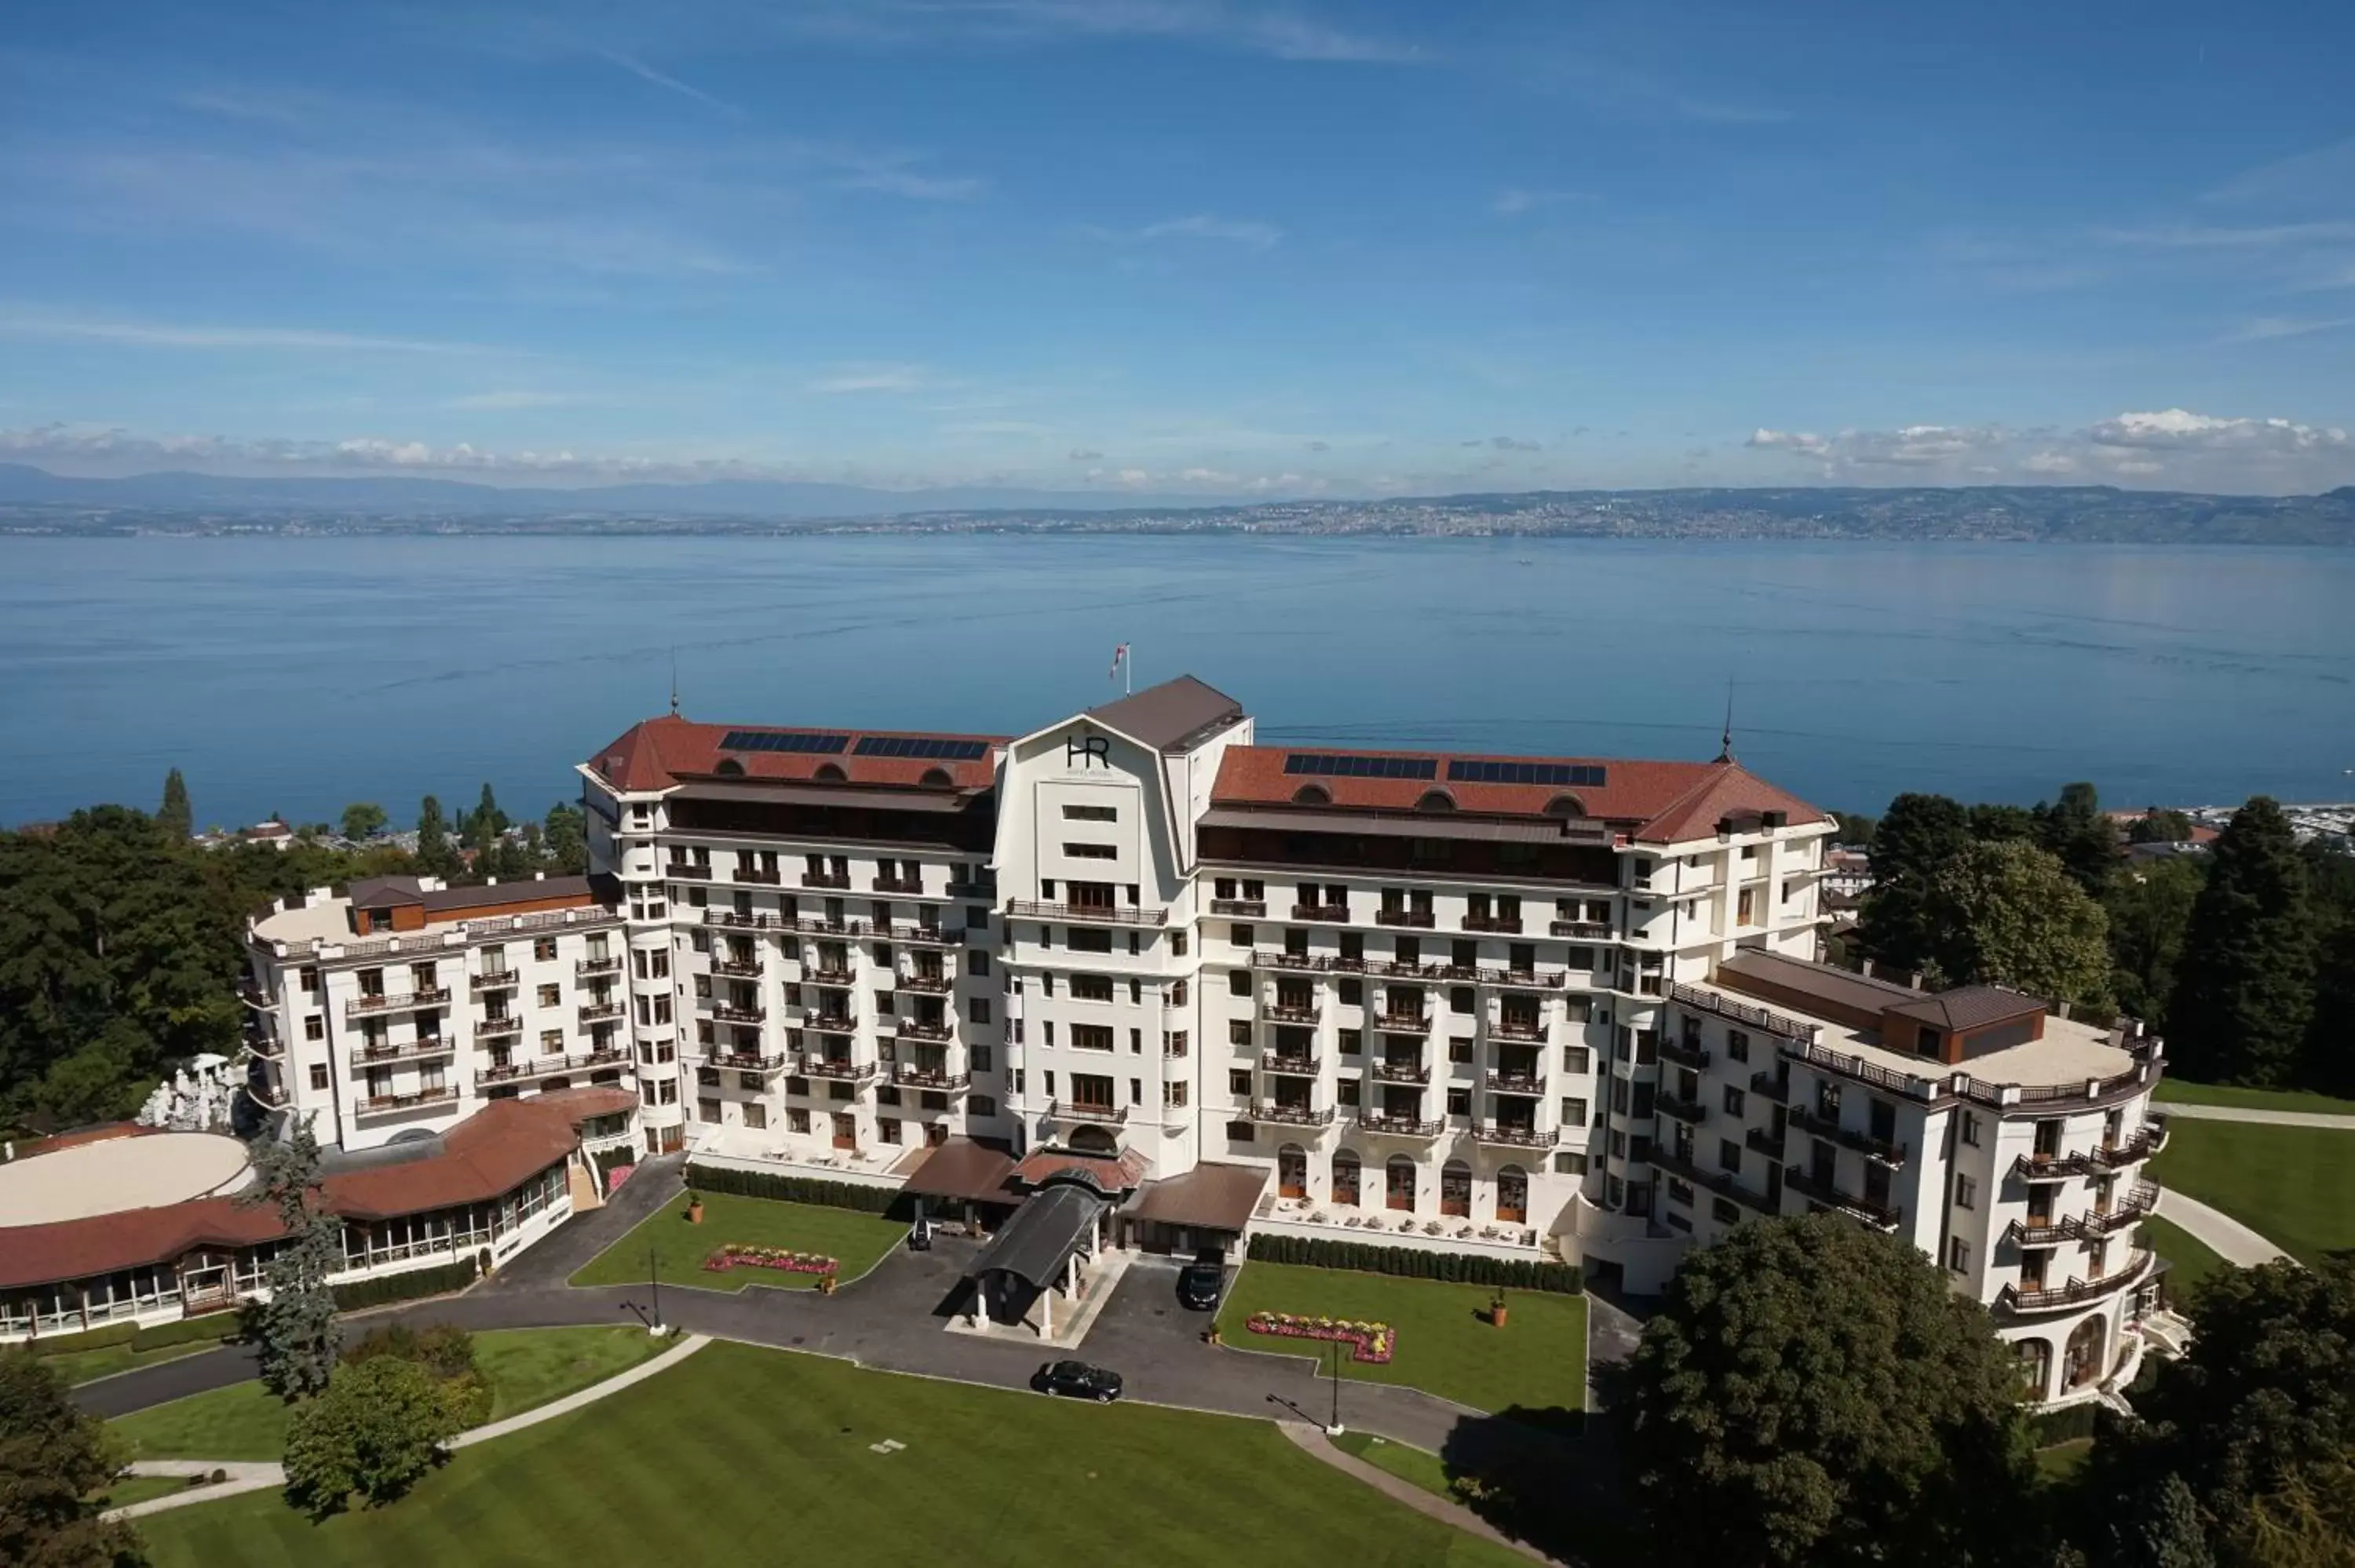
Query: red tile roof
x,y
1653,802
661,752
490,1153
1111,1174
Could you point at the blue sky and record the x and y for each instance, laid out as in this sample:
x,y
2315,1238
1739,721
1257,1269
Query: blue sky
x,y
1183,245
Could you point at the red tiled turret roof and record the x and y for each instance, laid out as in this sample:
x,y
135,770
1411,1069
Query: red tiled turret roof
x,y
660,752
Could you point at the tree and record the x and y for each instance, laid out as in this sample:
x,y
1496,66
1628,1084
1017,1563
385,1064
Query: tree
x,y
2330,1043
2160,1528
1811,1392
1854,829
377,1429
2244,995
1993,820
567,830
295,1331
2158,827
2008,913
2150,914
2074,829
481,827
363,819
174,815
435,857
1915,838
53,1460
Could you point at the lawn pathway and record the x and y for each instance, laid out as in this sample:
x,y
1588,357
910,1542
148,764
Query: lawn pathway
x,y
253,1477
2219,1232
2196,1112
1312,1440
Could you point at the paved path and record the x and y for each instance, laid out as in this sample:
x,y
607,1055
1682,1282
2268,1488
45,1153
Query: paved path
x,y
2223,1235
2268,1118
589,1395
1312,1440
242,1477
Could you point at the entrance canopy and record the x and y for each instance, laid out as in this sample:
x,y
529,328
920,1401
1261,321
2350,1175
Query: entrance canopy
x,y
1209,1197
966,1169
1039,1239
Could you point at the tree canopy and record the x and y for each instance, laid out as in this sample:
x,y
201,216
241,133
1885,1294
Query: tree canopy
x,y
2241,1012
363,817
2007,913
1811,1392
174,815
373,1434
53,1460
1916,837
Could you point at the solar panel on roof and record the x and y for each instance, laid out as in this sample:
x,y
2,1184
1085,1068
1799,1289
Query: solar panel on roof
x,y
770,740
1361,766
1575,773
920,746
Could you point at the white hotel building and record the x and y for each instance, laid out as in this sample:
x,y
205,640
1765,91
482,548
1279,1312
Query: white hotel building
x,y
1539,1008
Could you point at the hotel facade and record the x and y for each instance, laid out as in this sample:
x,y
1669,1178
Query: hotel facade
x,y
1527,1007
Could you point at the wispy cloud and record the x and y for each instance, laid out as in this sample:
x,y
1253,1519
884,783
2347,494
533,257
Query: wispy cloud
x,y
1513,201
2264,328
646,72
1502,444
519,398
1199,226
2190,449
1279,32
2209,236
168,334
874,378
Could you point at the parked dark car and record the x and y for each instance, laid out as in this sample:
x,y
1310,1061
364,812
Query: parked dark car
x,y
1078,1381
1200,1282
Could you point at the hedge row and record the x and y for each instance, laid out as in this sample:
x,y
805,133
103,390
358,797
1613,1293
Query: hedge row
x,y
142,1337
1415,1263
408,1287
793,1189
2065,1425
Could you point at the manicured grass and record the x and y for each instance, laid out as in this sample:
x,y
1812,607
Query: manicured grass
x,y
1445,1346
124,1490
2293,1185
527,1367
854,1239
87,1366
742,1455
2062,1460
2192,1259
1416,1467
2175,1091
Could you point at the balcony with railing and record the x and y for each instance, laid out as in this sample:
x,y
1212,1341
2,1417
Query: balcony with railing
x,y
1283,1114
380,1105
610,964
1516,1081
736,968
1250,908
600,1011
1580,930
2043,1230
939,1031
758,876
505,1026
1765,1140
254,997
734,1013
1748,1017
1290,1063
820,972
1773,1086
831,1023
923,934
930,984
835,881
498,979
1399,1070
688,870
1422,918
2105,1160
547,1066
983,888
749,920
2030,1300
1086,914
1334,912
406,1002
1391,1125
1498,924
1529,980
1724,1183
1673,1049
747,1061
1291,1011
1880,1150
1295,963
1515,1135
1087,1110
1802,1180
925,1076
1683,1110
405,1050
1403,1023
908,887
1528,1030
839,1067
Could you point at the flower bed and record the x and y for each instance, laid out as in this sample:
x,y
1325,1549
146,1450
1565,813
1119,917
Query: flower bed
x,y
1367,1342
736,1254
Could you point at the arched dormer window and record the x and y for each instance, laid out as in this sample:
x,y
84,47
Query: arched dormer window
x,y
729,769
829,773
1435,801
1312,795
937,778
1565,806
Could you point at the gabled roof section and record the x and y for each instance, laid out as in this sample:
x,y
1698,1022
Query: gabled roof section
x,y
659,752
1651,801
1171,716
1968,1007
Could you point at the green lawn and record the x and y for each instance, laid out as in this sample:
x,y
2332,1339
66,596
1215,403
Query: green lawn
x,y
2192,1259
2175,1091
1415,1465
855,1240
742,1455
2293,1185
527,1367
78,1367
2062,1460
1537,1361
124,1490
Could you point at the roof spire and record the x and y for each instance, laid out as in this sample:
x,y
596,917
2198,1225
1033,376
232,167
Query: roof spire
x,y
1725,747
674,680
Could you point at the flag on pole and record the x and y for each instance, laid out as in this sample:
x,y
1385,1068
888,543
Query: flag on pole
x,y
1119,661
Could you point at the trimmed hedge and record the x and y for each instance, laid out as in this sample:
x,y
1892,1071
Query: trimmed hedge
x,y
1415,1263
2065,1425
148,1336
408,1287
794,1189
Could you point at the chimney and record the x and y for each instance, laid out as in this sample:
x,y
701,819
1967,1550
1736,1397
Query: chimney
x,y
2059,1009
1914,980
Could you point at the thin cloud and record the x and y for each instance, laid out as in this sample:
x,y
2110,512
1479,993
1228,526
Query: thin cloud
x,y
517,398
1080,454
2264,329
1513,202
1281,34
167,335
2209,236
853,378
639,69
1207,226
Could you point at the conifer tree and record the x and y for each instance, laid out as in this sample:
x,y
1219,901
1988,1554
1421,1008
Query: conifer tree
x,y
174,815
2244,995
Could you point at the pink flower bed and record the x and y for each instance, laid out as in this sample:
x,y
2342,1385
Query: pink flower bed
x,y
736,1255
1367,1342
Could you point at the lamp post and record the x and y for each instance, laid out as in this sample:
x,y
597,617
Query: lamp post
x,y
1333,1355
654,1282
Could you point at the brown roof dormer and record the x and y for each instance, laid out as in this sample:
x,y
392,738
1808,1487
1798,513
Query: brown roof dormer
x,y
386,904
1953,1026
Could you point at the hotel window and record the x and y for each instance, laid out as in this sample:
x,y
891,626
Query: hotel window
x,y
1459,1050
1733,1099
978,1009
1351,992
756,1115
1346,1091
1046,985
1091,851
1967,1192
550,996
1239,1081
1971,1128
1577,1059
1729,1155
1089,939
544,950
1574,1111
1581,1009
1136,990
1958,1254
1092,987
977,964
887,1131
319,1074
1090,1037
1173,1094
1243,936
1239,983
1723,1212
1239,1031
1176,944
707,1110
1090,814
308,976
981,1105
551,1042
1737,1045
1459,999
1136,1042
1568,1164
1459,1102
1222,888
314,1027
1178,993
1351,1041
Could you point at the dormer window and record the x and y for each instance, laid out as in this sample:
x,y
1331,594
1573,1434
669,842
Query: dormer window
x,y
829,773
1312,795
729,769
1565,806
1435,801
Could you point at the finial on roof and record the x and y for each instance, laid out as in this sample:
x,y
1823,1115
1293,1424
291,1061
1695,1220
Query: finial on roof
x,y
1725,747
674,681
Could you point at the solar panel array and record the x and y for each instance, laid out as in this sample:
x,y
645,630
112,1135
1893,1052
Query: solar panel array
x,y
923,745
770,740
1583,773
1361,766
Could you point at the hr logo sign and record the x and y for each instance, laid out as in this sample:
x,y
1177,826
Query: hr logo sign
x,y
1087,751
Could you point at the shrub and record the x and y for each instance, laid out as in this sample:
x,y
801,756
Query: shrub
x,y
408,1287
447,1353
2065,1425
1417,1263
140,1337
794,1189
378,1428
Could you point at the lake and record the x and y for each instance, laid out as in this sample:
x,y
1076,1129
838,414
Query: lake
x,y
295,676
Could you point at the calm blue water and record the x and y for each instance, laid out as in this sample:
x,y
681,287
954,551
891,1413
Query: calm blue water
x,y
296,675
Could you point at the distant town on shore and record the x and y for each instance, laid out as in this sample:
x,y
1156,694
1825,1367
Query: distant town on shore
x,y
34,503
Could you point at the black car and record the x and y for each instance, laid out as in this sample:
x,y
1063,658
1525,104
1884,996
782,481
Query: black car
x,y
1078,1379
1200,1281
